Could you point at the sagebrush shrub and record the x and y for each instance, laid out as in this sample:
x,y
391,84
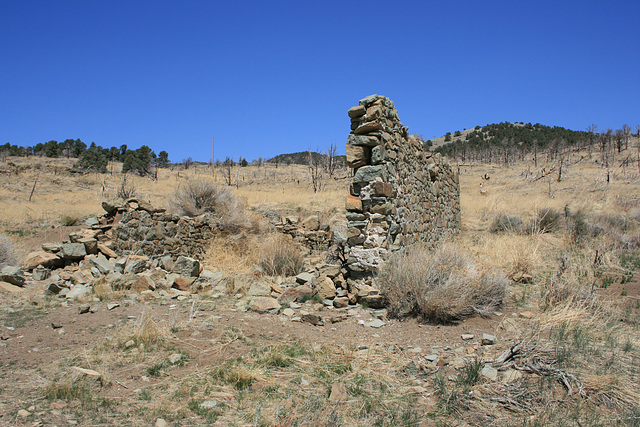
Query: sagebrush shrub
x,y
440,285
547,220
199,196
7,251
506,223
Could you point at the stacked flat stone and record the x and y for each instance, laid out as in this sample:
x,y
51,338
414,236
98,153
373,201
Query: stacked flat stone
x,y
400,193
156,234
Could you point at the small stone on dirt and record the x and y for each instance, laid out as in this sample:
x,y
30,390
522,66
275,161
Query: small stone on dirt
x,y
377,323
467,337
209,404
175,358
489,373
264,304
488,339
314,319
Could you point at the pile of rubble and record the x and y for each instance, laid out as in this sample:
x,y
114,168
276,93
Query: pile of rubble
x,y
132,248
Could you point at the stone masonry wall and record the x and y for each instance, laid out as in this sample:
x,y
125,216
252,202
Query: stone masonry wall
x,y
400,193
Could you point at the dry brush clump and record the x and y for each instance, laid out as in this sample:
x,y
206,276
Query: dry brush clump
x,y
441,285
199,196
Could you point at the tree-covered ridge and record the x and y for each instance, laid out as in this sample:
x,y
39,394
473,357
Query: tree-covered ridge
x,y
524,137
302,158
94,158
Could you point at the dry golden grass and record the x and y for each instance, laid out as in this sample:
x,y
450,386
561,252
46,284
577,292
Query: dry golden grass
x,y
576,330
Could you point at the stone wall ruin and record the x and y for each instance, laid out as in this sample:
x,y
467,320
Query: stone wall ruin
x,y
400,193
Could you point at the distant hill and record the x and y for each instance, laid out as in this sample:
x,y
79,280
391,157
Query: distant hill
x,y
507,136
302,158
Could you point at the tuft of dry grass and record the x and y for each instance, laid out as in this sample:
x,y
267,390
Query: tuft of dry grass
x,y
280,255
440,286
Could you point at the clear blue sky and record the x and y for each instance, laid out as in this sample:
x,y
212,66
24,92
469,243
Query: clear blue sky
x,y
271,77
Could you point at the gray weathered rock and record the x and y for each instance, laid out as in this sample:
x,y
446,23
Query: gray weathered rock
x,y
135,266
73,251
186,266
489,373
101,263
259,290
488,339
370,173
40,273
304,277
91,221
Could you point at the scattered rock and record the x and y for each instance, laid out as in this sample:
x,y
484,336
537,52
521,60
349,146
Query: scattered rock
x,y
325,287
187,267
259,290
106,251
112,305
78,291
527,315
13,275
175,358
264,304
288,312
377,323
314,319
311,223
305,277
143,283
489,372
467,337
488,339
73,251
43,258
209,404
101,263
40,273
183,283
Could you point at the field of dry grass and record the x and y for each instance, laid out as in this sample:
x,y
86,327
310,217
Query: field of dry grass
x,y
569,331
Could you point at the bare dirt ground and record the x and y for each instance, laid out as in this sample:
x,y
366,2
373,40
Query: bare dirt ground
x,y
205,361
